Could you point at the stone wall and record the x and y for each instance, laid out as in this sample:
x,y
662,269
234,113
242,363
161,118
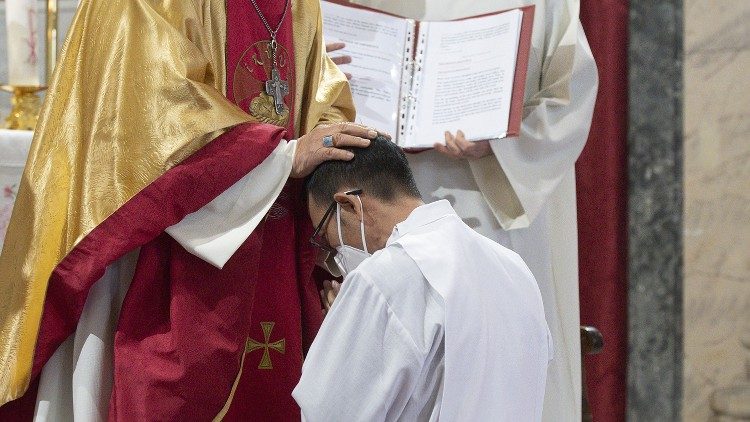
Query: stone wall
x,y
717,209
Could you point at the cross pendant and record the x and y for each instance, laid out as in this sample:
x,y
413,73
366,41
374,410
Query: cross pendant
x,y
277,88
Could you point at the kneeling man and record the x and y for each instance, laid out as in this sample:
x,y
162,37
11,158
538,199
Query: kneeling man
x,y
433,321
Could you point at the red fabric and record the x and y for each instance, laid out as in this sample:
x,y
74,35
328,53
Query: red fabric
x,y
248,63
181,332
204,326
265,392
180,191
601,177
286,295
183,324
21,409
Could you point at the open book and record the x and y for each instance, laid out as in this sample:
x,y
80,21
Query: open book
x,y
415,80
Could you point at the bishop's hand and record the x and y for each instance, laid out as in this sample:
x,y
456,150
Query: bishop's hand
x,y
458,147
324,142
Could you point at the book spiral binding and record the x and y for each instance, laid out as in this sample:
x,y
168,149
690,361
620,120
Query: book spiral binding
x,y
407,71
415,84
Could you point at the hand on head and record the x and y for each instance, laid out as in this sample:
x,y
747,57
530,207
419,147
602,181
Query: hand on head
x,y
312,148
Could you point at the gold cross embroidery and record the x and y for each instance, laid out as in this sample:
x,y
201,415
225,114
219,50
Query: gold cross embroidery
x,y
279,346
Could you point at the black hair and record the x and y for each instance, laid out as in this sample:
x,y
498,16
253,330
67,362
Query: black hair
x,y
380,170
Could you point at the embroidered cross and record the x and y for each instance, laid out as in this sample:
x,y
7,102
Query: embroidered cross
x,y
279,345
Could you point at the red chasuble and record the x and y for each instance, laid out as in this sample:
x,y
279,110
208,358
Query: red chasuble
x,y
258,305
192,338
286,301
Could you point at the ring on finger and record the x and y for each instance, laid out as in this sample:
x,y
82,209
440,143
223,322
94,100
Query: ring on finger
x,y
328,141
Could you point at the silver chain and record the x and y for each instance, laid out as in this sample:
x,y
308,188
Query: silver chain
x,y
268,27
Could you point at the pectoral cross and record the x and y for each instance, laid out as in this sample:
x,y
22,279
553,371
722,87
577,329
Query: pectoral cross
x,y
277,88
279,345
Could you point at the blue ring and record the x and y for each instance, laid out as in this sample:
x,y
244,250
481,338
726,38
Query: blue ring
x,y
328,141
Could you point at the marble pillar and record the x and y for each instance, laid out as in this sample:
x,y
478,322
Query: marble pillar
x,y
655,211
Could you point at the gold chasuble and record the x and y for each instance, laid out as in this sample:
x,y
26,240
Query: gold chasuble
x,y
155,108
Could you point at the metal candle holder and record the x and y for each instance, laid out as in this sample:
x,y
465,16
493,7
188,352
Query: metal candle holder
x,y
26,105
25,101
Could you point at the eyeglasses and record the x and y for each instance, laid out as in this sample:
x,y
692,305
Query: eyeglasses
x,y
317,238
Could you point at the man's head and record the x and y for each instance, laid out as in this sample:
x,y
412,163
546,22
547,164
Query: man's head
x,y
389,194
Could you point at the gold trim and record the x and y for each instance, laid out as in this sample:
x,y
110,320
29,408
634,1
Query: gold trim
x,y
228,403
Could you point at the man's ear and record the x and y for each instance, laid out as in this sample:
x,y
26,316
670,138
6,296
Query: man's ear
x,y
349,203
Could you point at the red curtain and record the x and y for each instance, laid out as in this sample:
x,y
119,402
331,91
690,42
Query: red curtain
x,y
601,176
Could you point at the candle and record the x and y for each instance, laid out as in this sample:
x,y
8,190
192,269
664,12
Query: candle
x,y
23,42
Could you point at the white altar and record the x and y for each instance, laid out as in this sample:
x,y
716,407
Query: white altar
x,y
14,148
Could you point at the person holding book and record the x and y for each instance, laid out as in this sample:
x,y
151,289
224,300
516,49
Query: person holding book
x,y
519,190
433,321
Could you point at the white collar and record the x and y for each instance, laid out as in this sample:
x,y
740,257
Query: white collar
x,y
421,216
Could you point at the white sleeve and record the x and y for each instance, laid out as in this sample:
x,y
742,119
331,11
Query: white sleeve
x,y
523,172
363,364
216,231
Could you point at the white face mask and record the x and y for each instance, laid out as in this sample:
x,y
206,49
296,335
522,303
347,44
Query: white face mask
x,y
348,257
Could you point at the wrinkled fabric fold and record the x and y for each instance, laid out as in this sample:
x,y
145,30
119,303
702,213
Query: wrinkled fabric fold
x,y
102,137
218,229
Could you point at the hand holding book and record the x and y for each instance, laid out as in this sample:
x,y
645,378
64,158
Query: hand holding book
x,y
458,147
418,80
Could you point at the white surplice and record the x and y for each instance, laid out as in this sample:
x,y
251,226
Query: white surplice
x,y
523,195
441,324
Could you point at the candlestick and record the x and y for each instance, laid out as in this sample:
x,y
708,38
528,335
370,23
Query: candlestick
x,y
26,106
51,46
23,44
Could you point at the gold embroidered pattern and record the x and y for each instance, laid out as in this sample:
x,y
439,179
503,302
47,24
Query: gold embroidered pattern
x,y
262,108
279,345
249,83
